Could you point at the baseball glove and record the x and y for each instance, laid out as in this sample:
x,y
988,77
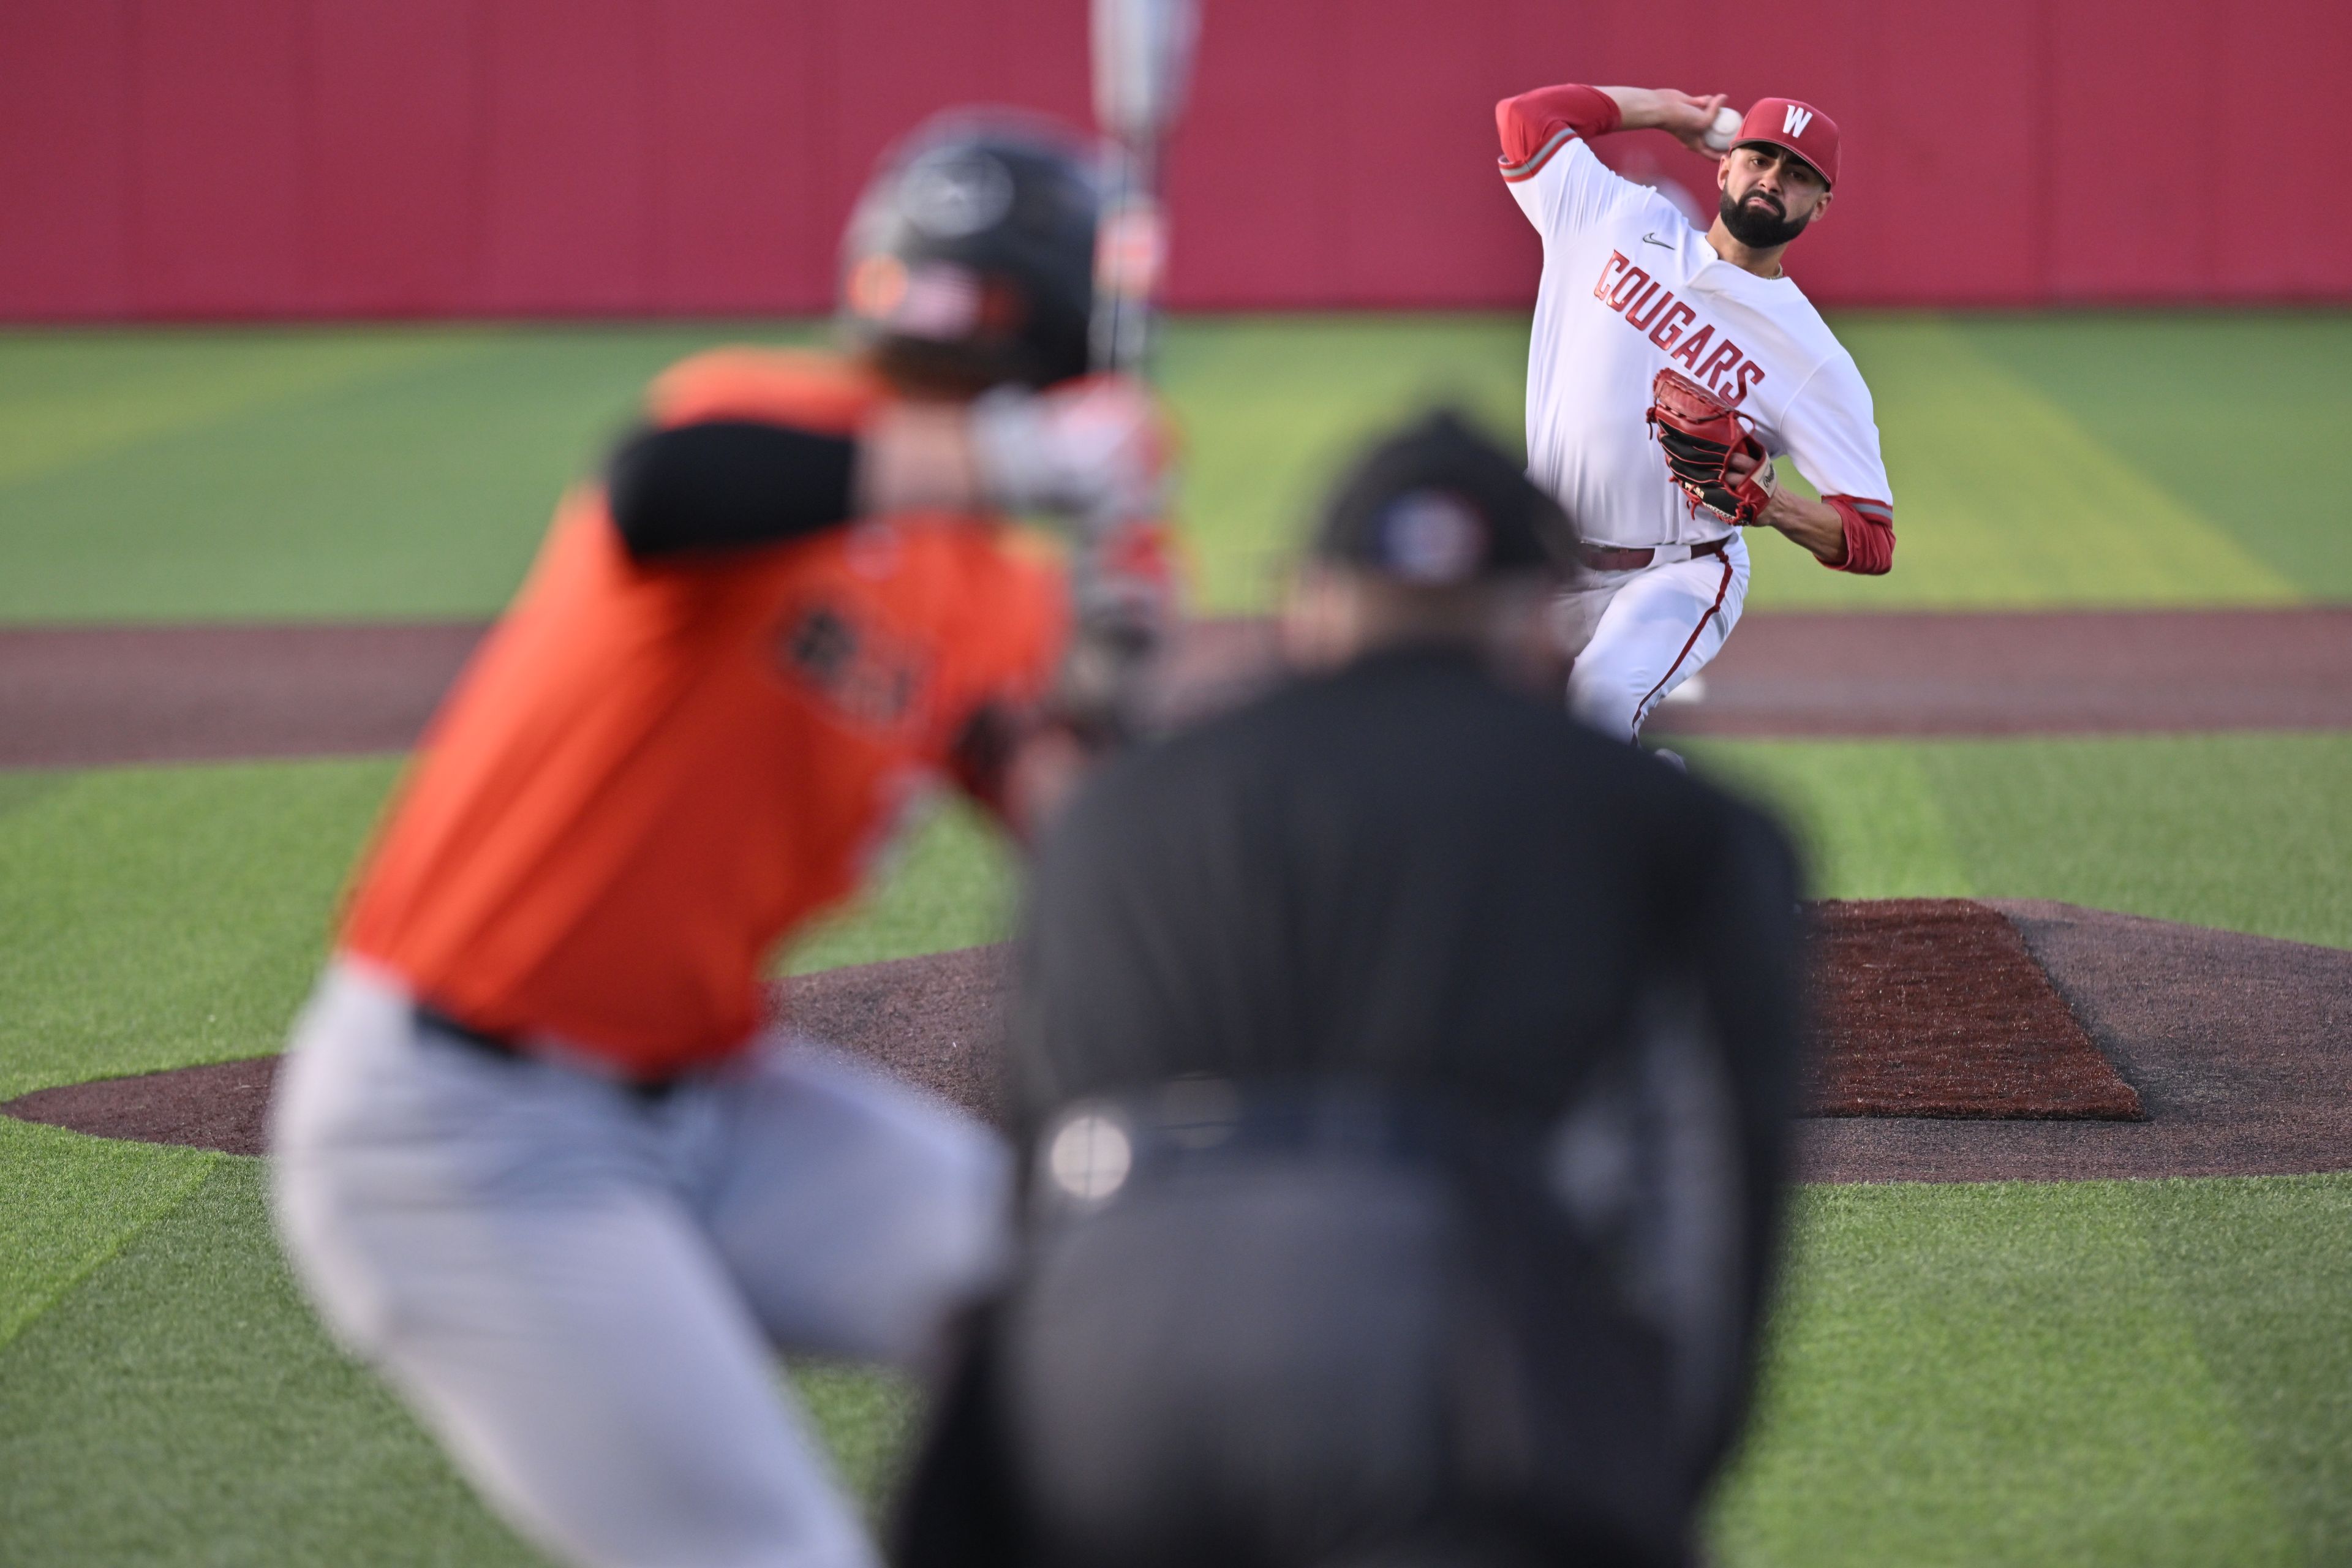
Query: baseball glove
x,y
1701,434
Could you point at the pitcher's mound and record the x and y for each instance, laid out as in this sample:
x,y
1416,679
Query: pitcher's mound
x,y
1934,1008
1960,1042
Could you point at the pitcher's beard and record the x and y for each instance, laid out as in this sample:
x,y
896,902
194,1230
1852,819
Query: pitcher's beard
x,y
1757,226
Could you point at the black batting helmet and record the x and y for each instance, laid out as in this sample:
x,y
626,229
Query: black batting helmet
x,y
971,258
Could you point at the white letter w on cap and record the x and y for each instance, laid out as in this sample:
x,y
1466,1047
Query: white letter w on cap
x,y
1793,121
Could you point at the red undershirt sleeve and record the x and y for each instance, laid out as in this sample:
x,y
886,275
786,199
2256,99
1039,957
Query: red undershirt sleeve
x,y
1869,535
1530,123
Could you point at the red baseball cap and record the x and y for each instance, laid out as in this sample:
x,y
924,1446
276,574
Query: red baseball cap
x,y
1799,127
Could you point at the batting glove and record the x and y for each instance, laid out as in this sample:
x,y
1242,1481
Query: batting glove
x,y
1092,449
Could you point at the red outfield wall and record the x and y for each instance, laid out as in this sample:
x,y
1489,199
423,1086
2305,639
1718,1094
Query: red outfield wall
x,y
191,158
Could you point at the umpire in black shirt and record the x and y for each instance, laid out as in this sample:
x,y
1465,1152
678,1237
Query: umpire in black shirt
x,y
1405,1071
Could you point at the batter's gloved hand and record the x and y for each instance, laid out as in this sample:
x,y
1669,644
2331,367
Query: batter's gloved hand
x,y
1090,449
1124,594
1713,454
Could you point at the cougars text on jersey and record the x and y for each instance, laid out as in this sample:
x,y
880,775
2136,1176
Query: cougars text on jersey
x,y
1676,326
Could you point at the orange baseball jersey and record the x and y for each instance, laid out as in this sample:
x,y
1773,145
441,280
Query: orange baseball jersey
x,y
653,772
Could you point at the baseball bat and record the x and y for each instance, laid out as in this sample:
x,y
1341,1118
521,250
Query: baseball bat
x,y
1143,58
1143,54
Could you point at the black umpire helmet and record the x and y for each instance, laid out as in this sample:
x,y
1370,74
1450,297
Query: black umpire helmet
x,y
1438,505
971,258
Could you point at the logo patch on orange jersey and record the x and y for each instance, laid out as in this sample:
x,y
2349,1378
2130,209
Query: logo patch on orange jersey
x,y
864,676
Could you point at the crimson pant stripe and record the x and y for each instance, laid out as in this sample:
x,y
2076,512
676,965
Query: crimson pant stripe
x,y
1642,713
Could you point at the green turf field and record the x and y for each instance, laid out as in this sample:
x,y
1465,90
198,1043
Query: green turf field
x,y
2091,1372
397,472
2198,1331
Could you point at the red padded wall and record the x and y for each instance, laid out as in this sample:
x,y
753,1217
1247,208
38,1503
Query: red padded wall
x,y
253,158
65,158
394,143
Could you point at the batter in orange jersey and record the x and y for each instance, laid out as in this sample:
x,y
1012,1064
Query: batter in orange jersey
x,y
535,1156
654,773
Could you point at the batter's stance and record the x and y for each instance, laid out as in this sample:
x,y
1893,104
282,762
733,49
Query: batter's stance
x,y
537,1158
1630,289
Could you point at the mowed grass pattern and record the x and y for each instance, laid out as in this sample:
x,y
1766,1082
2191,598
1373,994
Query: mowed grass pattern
x,y
74,1202
2150,1372
1928,1336
2205,406
156,917
2004,497
2243,832
2091,1372
304,474
153,918
309,474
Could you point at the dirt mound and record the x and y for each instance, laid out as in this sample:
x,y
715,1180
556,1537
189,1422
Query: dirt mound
x,y
92,696
2232,1046
89,696
933,1020
937,1021
221,1105
1934,1008
2236,1045
2020,673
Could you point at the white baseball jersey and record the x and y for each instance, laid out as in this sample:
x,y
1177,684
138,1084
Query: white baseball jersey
x,y
1629,289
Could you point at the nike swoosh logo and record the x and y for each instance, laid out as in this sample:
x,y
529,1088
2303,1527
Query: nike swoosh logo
x,y
1653,239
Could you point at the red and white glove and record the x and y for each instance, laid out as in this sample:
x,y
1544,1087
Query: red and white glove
x,y
1097,448
1710,448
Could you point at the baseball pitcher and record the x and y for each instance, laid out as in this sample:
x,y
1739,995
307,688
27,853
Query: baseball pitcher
x,y
1668,367
539,1156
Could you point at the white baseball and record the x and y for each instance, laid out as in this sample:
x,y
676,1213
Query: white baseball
x,y
1720,134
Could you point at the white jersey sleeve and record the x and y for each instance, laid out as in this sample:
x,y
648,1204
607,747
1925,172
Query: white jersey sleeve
x,y
1566,190
1832,430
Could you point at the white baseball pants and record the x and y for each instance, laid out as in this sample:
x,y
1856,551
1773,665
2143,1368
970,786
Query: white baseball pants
x,y
1635,635
577,1287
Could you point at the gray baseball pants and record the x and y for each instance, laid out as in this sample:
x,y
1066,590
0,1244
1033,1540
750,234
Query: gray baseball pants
x,y
579,1288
